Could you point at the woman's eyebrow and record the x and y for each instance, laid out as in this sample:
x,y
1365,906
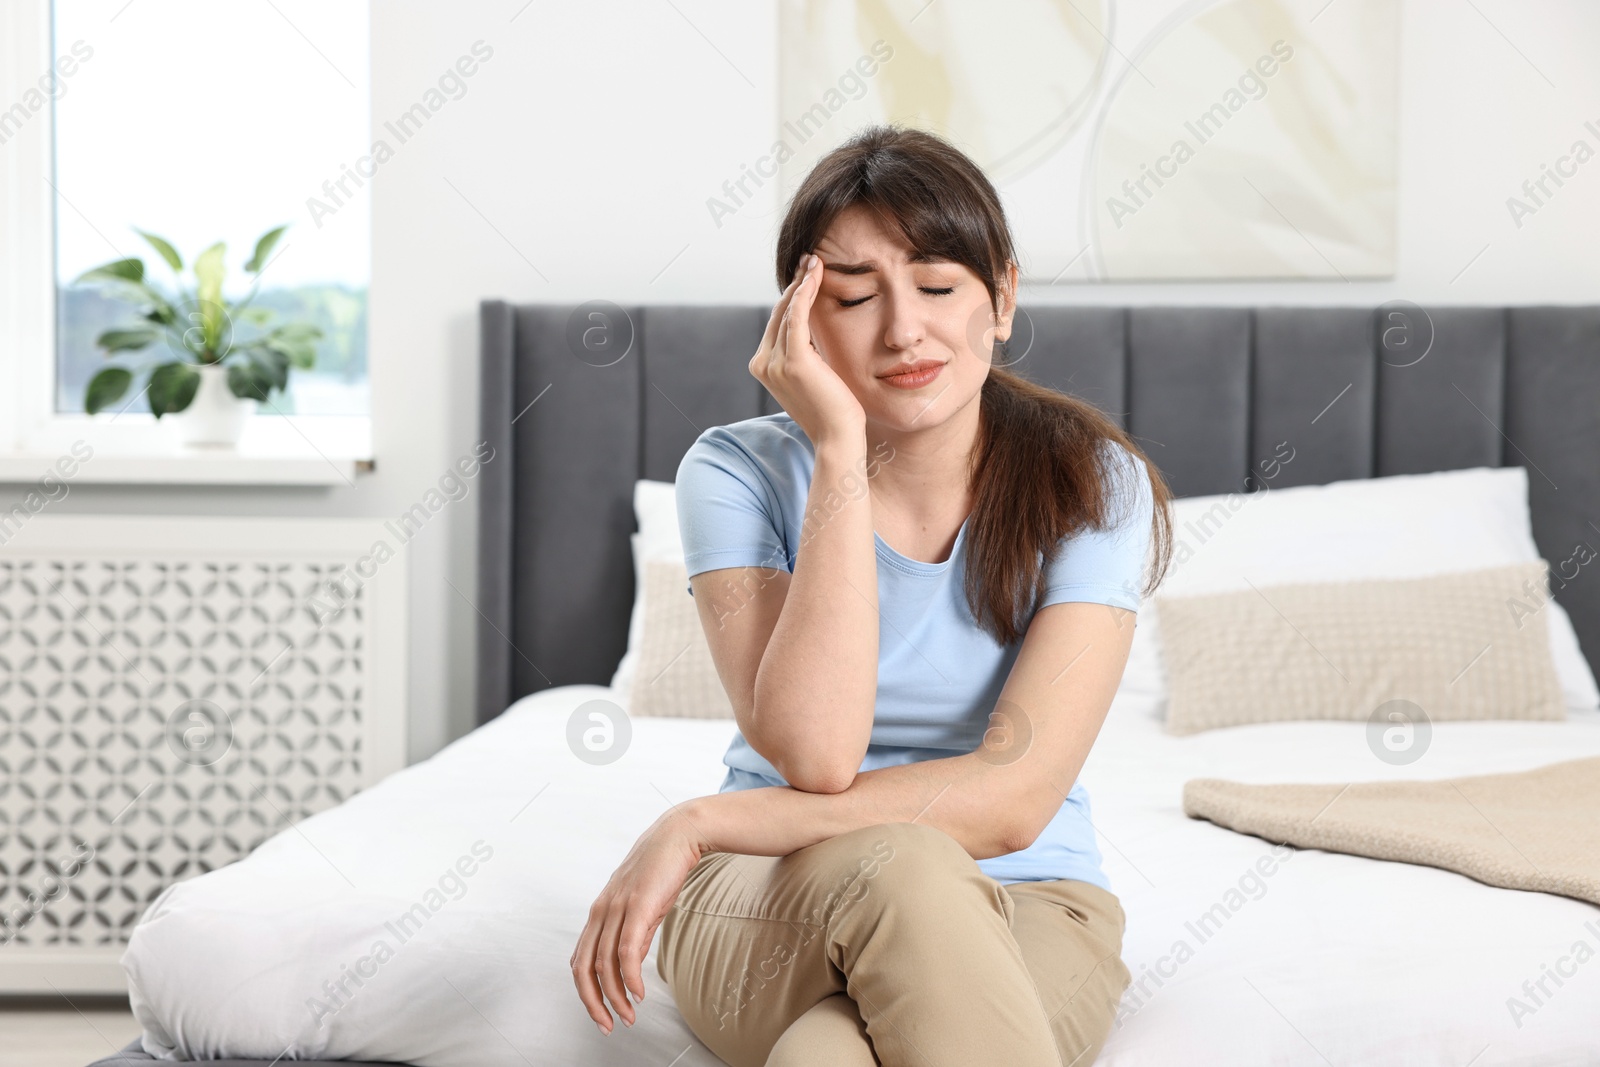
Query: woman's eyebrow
x,y
871,268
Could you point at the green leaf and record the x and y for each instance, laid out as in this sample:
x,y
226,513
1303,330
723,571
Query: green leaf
x,y
106,388
264,249
118,270
161,310
126,340
298,353
133,288
247,380
172,388
168,253
208,272
257,316
274,365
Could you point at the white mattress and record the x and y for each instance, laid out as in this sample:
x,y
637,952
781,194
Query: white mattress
x,y
1332,959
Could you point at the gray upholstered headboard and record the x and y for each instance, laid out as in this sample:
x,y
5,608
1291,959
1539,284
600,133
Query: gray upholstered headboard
x,y
580,403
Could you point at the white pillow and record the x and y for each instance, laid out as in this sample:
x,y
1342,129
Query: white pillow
x,y
1402,526
655,508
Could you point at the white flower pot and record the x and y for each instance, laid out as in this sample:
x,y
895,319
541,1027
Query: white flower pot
x,y
215,418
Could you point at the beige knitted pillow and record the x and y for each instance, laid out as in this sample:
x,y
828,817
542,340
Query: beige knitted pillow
x,y
675,677
1466,645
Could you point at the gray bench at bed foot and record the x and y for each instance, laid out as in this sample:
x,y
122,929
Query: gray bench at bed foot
x,y
134,1056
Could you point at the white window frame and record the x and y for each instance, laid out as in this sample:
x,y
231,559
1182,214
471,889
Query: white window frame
x,y
298,450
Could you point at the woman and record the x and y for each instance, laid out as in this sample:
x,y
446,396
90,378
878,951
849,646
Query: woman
x,y
922,545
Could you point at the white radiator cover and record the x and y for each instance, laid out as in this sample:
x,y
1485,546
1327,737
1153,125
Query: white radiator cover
x,y
131,649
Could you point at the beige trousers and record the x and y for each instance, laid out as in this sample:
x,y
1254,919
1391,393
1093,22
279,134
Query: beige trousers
x,y
887,945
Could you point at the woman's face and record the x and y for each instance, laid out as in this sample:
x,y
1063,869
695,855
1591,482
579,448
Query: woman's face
x,y
881,309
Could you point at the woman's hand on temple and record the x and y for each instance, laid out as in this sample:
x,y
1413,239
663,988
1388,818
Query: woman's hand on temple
x,y
608,961
793,370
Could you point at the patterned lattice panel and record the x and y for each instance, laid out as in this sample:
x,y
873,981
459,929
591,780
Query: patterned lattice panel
x,y
161,715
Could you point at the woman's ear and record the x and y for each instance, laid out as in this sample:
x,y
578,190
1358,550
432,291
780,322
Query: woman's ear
x,y
1008,303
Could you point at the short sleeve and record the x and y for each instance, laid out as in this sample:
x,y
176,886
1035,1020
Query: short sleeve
x,y
1107,566
727,513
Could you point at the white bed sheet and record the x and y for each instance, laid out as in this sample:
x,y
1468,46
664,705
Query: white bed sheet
x,y
1334,959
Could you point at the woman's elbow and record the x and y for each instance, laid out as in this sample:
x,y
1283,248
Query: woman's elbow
x,y
1017,835
816,769
1022,827
820,778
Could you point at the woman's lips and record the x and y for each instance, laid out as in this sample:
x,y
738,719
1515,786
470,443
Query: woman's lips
x,y
923,372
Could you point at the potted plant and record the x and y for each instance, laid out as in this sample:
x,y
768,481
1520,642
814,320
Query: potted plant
x,y
207,373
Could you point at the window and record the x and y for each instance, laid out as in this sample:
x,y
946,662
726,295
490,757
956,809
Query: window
x,y
200,122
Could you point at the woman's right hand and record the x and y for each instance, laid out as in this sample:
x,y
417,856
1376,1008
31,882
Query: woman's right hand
x,y
794,372
609,959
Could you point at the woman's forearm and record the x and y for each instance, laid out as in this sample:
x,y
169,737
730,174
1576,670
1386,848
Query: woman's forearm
x,y
966,797
817,684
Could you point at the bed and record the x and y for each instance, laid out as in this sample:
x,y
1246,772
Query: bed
x,y
1331,959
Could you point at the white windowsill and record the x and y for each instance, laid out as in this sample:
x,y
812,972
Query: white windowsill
x,y
300,450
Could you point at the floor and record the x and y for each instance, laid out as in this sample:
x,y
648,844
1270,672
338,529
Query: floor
x,y
35,1035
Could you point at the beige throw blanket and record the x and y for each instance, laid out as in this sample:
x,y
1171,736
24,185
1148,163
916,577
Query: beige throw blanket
x,y
1536,830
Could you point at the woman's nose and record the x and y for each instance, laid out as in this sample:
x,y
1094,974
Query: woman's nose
x,y
905,328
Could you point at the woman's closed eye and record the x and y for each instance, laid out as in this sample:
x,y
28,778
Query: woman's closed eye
x,y
928,289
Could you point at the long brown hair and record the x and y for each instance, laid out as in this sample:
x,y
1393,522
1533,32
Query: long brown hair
x,y
1041,469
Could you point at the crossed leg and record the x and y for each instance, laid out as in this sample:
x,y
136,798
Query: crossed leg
x,y
888,945
831,1032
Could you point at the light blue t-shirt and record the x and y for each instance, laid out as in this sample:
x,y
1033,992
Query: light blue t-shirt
x,y
741,494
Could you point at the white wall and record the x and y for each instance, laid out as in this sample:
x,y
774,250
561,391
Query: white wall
x,y
584,149
601,129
